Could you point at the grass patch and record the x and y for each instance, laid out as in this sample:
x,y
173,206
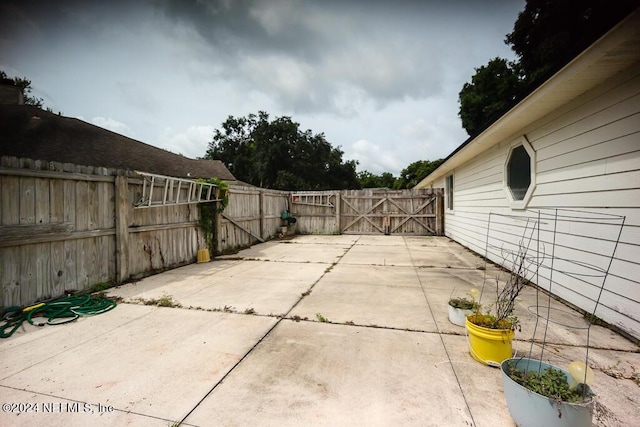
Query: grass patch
x,y
99,287
321,318
164,301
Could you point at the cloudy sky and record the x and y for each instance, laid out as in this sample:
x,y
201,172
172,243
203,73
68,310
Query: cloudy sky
x,y
379,78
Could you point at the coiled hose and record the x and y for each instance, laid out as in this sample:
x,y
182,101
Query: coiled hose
x,y
54,312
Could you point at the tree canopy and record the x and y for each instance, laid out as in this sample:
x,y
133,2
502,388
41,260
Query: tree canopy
x,y
492,89
277,154
409,177
417,171
546,35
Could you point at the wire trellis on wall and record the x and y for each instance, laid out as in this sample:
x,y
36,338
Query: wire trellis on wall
x,y
567,253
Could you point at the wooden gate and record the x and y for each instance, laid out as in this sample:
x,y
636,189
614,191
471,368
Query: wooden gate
x,y
403,212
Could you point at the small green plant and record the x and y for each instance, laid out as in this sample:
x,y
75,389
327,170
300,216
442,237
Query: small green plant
x,y
164,301
487,320
321,318
249,311
167,301
464,303
550,382
225,309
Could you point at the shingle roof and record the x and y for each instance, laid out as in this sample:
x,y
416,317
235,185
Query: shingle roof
x,y
29,132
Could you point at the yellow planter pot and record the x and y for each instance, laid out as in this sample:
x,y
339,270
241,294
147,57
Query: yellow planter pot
x,y
489,346
203,255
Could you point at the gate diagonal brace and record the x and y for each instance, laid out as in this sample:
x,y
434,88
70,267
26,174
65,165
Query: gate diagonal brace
x,y
362,214
414,214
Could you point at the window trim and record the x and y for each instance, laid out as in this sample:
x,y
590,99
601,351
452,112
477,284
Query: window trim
x,y
520,204
449,187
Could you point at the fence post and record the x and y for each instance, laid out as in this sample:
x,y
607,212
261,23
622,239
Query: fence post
x,y
218,224
338,230
440,220
122,228
261,214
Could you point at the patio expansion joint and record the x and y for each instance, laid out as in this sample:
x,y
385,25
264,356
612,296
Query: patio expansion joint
x,y
358,325
266,334
455,374
571,345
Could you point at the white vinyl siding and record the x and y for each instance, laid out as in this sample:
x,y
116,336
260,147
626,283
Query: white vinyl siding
x,y
587,158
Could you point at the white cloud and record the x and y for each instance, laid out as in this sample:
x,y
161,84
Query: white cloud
x,y
374,158
191,142
112,125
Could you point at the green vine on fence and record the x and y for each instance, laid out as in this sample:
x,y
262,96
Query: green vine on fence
x,y
209,212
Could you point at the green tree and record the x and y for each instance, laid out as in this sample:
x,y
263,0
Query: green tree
x,y
493,88
546,36
549,33
277,154
370,180
416,172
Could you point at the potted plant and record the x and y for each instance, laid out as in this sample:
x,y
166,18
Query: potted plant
x,y
490,335
540,394
460,308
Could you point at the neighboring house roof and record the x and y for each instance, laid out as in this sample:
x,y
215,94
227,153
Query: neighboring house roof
x,y
615,51
29,132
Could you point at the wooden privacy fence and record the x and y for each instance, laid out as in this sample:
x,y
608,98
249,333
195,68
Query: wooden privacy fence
x,y
253,215
66,227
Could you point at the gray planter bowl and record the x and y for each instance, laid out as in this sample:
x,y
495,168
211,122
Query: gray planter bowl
x,y
530,409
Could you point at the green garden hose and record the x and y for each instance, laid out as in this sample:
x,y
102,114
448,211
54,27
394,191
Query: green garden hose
x,y
54,312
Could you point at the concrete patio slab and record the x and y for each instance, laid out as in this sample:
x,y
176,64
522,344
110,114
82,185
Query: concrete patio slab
x,y
288,250
160,366
303,271
45,410
363,254
322,253
318,374
361,304
259,296
377,240
458,281
338,239
428,256
146,366
375,275
480,384
248,287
